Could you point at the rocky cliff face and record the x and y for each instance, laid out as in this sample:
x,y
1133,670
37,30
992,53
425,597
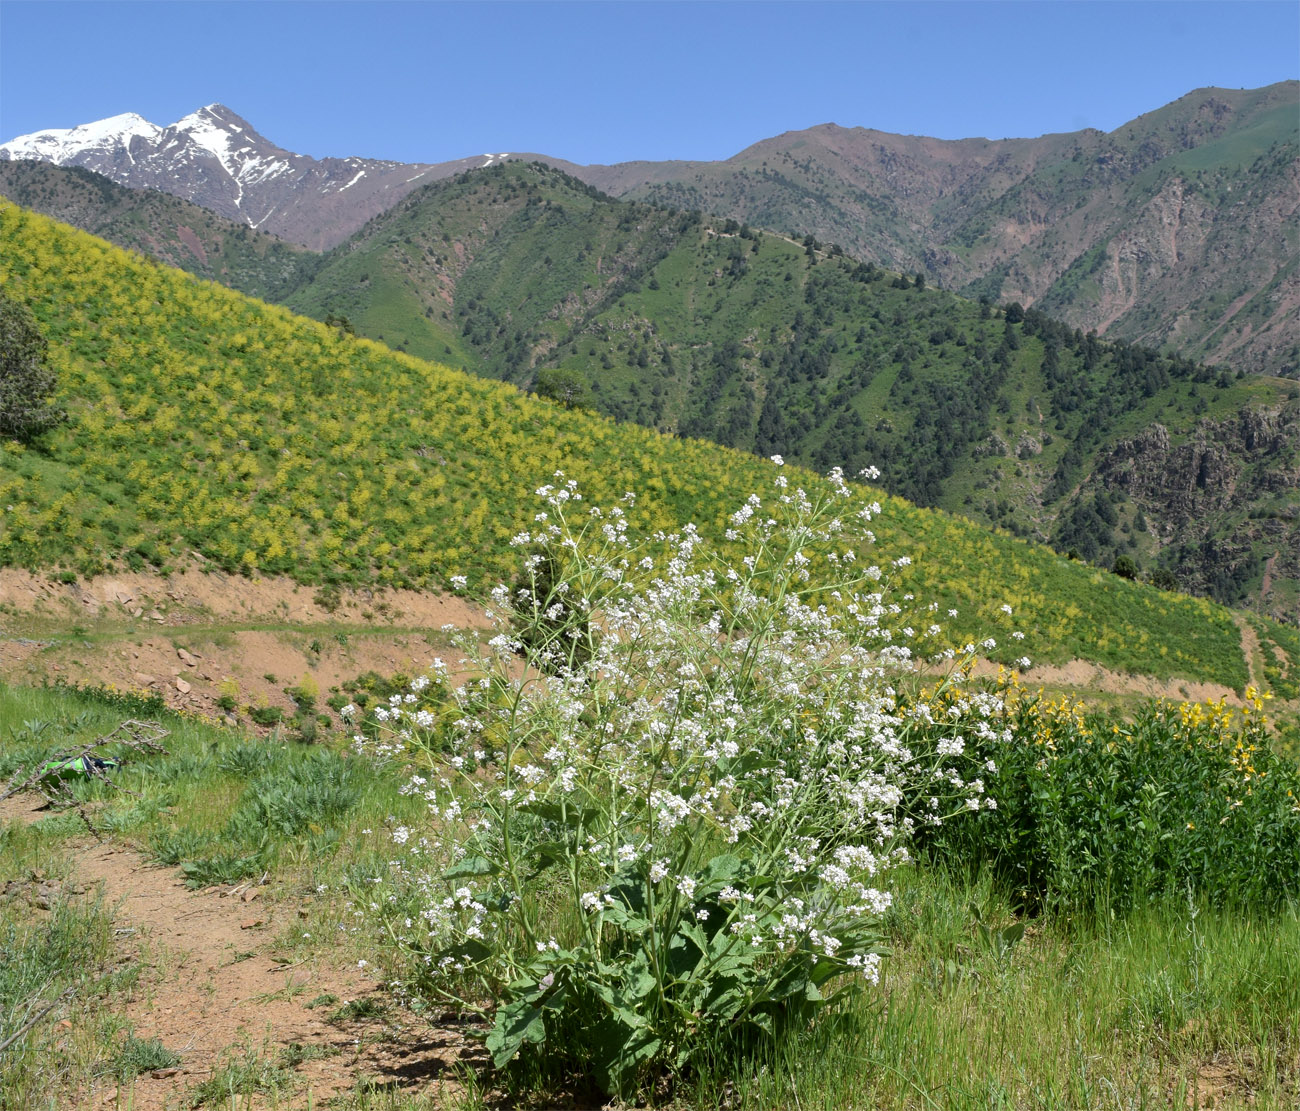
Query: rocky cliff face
x,y
1192,492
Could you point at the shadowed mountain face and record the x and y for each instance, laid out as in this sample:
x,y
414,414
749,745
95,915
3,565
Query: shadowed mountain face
x,y
1179,228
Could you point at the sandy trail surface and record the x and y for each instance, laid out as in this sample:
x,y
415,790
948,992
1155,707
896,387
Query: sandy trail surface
x,y
214,986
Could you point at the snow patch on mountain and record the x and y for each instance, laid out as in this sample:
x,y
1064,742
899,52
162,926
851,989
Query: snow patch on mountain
x,y
214,136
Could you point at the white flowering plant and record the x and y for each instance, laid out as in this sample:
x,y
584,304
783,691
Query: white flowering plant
x,y
664,808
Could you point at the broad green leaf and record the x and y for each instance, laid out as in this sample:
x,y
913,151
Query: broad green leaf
x,y
471,866
515,1024
470,951
568,814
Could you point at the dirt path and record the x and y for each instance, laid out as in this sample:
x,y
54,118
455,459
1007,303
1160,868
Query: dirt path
x,y
191,636
213,988
1250,648
1083,676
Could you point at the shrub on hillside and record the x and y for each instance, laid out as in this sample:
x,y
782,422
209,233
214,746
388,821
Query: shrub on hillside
x,y
27,385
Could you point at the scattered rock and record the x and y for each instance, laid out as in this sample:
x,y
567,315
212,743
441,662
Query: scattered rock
x,y
183,686
252,923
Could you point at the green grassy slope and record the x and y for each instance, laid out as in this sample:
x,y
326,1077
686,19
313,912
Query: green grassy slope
x,y
709,329
206,422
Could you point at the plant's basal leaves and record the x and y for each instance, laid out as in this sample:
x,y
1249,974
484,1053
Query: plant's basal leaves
x,y
617,1072
515,1024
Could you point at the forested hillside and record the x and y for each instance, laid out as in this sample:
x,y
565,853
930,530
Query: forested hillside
x,y
1178,228
161,226
208,427
711,329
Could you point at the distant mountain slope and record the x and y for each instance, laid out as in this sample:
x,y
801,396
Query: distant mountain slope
x,y
1180,228
707,328
1177,228
204,422
215,158
164,227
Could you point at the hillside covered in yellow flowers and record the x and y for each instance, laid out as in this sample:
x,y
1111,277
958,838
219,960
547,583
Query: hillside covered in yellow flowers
x,y
204,422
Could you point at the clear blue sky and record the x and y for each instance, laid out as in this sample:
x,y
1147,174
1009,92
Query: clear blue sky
x,y
606,81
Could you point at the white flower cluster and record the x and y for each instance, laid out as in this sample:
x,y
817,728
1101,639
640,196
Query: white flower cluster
x,y
765,703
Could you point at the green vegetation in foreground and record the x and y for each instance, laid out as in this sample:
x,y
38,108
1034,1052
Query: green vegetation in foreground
x,y
203,421
191,808
677,844
977,1006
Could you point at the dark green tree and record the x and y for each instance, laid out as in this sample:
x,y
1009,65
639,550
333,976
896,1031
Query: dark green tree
x,y
341,322
27,385
1165,579
566,386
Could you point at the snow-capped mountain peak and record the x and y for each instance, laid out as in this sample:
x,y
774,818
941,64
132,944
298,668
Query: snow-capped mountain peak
x,y
61,145
232,141
215,158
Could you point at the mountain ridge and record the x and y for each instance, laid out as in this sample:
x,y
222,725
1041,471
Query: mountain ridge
x,y
1139,233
